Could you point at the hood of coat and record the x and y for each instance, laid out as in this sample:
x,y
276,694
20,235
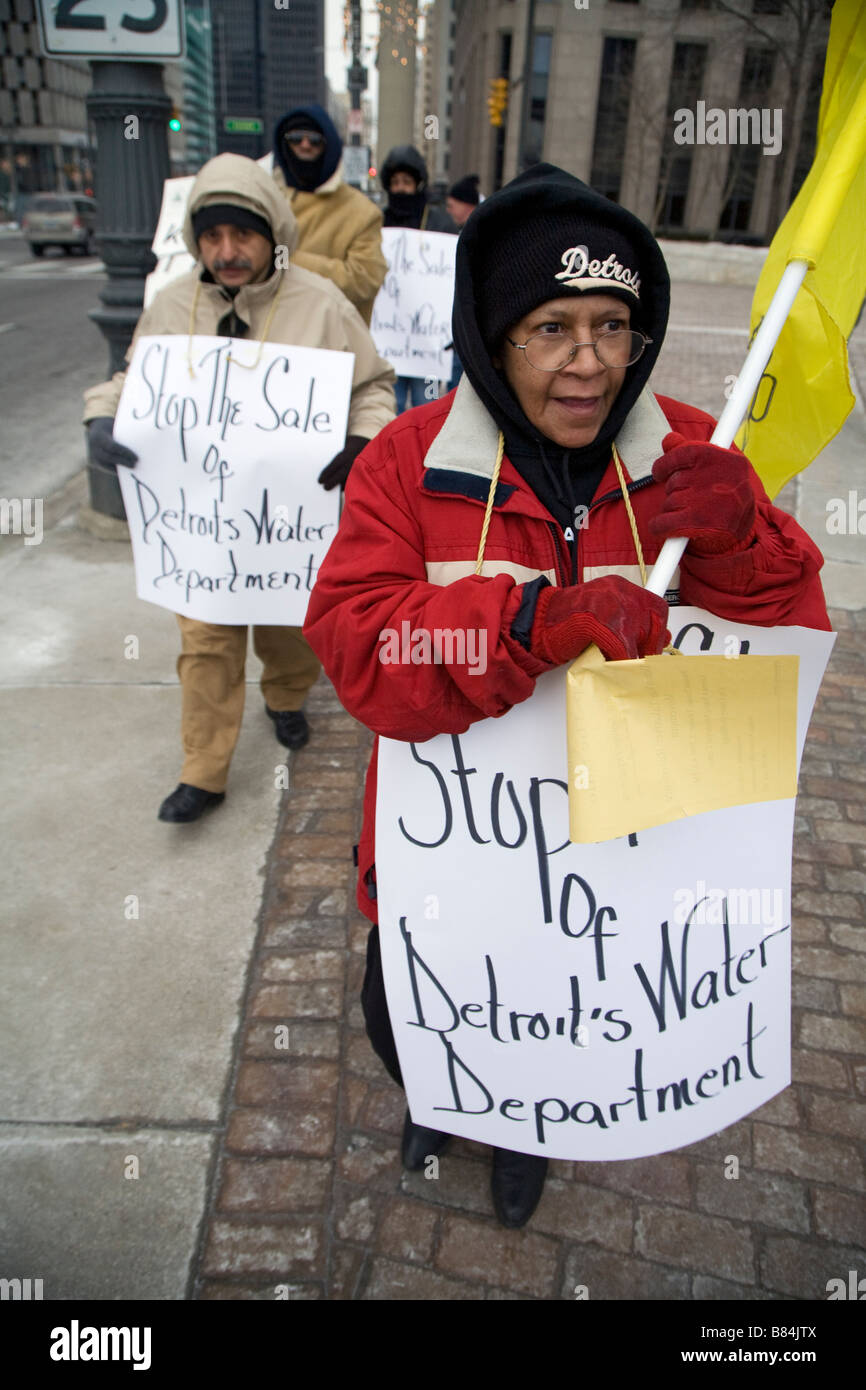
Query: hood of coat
x,y
404,157
326,166
232,178
540,192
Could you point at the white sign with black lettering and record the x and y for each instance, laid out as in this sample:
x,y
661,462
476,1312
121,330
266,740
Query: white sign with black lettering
x,y
411,323
143,30
603,1001
228,521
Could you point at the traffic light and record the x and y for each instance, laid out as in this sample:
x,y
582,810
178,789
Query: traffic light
x,y
174,121
497,101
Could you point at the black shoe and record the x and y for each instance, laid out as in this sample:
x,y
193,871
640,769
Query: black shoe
x,y
517,1185
293,731
187,803
419,1144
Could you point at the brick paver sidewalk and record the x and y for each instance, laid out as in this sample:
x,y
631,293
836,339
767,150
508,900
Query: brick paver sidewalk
x,y
309,1193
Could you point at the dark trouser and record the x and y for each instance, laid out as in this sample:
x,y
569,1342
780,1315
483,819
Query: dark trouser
x,y
375,1007
409,391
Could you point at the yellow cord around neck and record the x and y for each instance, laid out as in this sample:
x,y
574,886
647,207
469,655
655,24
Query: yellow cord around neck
x,y
247,366
489,509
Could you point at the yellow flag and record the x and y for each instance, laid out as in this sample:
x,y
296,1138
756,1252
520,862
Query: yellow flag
x,y
804,396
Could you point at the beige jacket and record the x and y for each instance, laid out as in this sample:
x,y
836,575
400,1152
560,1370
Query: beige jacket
x,y
340,236
309,312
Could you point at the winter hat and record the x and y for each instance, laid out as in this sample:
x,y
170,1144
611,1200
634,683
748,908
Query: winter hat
x,y
300,120
465,190
215,214
518,217
566,254
407,160
307,174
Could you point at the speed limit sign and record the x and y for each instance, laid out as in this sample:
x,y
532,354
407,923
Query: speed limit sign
x,y
141,30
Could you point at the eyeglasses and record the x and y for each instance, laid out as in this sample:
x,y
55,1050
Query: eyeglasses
x,y
548,352
297,137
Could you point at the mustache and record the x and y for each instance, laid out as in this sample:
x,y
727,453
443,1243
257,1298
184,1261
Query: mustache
x,y
233,265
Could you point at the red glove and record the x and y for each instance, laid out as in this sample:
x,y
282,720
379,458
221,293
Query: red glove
x,y
708,497
622,619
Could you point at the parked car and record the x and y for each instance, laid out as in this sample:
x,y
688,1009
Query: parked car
x,y
60,219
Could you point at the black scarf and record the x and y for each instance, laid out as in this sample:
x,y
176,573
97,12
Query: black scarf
x,y
405,209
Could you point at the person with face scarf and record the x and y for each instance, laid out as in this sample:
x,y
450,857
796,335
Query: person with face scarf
x,y
339,228
404,179
560,311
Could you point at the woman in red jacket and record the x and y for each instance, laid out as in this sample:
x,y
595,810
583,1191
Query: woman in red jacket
x,y
549,441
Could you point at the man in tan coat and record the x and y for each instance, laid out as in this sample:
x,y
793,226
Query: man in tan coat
x,y
242,231
339,228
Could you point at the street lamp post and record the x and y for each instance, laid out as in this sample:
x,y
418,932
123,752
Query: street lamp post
x,y
130,110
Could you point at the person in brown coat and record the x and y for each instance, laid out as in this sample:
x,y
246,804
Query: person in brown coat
x,y
339,228
236,219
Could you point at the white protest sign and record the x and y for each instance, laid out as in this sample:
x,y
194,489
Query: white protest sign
x,y
411,323
168,237
227,520
598,1002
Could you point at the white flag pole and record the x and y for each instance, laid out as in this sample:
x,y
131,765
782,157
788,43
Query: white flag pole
x,y
738,403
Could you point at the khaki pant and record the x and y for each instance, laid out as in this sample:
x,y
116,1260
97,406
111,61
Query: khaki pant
x,y
211,672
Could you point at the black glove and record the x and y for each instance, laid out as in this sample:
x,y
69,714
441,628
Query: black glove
x,y
337,471
104,448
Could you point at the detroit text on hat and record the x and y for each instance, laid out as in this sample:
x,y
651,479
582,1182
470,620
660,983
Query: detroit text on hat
x,y
582,273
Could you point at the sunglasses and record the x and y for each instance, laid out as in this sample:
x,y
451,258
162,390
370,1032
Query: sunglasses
x,y
297,137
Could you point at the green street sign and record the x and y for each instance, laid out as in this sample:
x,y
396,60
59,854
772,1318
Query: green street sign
x,y
243,125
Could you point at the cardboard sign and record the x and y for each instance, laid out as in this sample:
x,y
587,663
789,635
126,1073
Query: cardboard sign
x,y
411,323
677,737
227,519
603,1001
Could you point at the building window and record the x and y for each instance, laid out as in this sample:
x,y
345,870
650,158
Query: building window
x,y
687,78
809,128
744,161
611,117
537,115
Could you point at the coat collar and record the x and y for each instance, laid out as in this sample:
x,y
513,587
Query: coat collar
x,y
469,439
248,297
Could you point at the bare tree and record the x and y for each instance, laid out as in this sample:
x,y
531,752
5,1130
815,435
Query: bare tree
x,y
801,31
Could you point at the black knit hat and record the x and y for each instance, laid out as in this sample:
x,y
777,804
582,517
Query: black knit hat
x,y
301,120
566,253
216,214
517,220
465,190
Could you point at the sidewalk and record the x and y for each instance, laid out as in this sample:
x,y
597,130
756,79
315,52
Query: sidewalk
x,y
146,1043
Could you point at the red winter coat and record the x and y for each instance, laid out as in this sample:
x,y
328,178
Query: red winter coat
x,y
406,551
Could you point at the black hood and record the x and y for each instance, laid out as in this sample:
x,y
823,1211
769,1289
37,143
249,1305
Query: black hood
x,y
404,157
318,171
542,191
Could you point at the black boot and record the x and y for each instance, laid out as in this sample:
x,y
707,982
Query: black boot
x,y
419,1144
186,803
517,1184
292,728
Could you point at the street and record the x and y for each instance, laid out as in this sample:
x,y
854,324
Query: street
x,y
49,352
